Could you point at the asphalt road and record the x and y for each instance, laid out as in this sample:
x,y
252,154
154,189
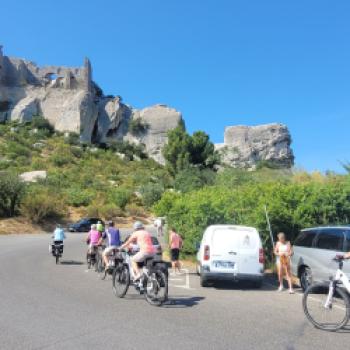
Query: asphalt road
x,y
44,306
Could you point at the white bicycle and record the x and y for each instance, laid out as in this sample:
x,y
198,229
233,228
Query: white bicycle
x,y
327,305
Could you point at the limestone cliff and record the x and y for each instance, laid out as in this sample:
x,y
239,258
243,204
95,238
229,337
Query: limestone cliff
x,y
247,146
73,102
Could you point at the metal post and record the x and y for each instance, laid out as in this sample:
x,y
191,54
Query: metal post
x,y
269,225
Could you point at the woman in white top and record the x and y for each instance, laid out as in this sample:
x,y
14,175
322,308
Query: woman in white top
x,y
283,251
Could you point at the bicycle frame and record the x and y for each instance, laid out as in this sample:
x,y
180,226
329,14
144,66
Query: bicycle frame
x,y
340,277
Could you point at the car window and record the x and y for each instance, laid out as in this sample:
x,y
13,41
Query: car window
x,y
330,239
305,239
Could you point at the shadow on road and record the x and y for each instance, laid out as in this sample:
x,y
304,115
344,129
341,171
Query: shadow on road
x,y
183,302
71,262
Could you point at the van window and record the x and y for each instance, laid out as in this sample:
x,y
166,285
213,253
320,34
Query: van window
x,y
330,239
305,239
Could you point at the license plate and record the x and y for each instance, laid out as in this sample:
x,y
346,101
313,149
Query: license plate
x,y
224,264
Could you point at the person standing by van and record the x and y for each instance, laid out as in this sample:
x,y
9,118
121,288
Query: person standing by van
x,y
175,244
283,251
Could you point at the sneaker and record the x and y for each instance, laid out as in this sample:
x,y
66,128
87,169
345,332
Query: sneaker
x,y
291,291
280,289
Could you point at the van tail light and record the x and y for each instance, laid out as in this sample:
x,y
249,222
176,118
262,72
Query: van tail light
x,y
261,256
206,252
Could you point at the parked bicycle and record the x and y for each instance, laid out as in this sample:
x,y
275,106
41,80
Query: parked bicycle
x,y
153,283
327,305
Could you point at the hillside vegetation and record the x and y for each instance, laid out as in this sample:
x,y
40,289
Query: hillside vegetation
x,y
192,190
98,181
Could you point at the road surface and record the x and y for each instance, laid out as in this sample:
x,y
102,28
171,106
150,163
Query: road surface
x,y
44,306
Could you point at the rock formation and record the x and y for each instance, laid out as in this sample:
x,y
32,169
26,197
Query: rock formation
x,y
247,146
73,102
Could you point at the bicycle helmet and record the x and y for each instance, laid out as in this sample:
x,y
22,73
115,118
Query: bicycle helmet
x,y
138,225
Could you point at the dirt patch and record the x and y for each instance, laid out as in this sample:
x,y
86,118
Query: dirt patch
x,y
19,225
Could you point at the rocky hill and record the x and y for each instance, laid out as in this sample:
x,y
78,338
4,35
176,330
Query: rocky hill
x,y
72,102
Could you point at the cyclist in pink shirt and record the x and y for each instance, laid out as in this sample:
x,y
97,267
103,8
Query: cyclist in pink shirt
x,y
144,240
94,238
175,244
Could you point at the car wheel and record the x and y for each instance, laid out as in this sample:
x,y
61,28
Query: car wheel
x,y
203,280
305,278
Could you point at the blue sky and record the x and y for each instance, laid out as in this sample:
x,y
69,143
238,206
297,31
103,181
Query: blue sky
x,y
220,62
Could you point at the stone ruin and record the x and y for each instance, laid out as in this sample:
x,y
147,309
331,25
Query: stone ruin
x,y
72,102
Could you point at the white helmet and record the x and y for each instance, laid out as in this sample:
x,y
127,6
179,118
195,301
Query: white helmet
x,y
138,225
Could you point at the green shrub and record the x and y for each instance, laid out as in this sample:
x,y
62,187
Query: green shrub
x,y
291,206
151,193
110,211
40,206
137,126
135,210
193,178
120,197
93,210
12,190
78,197
41,123
62,156
72,138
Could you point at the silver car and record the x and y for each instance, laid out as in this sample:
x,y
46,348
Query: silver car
x,y
314,250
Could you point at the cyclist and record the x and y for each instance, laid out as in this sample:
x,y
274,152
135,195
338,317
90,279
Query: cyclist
x,y
59,236
99,227
94,238
113,236
144,240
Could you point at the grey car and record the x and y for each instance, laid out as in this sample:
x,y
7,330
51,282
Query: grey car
x,y
314,250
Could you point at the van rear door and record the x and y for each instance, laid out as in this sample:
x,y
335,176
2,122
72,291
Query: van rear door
x,y
234,250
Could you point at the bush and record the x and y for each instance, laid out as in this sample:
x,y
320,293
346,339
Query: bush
x,y
135,210
120,197
110,211
12,190
291,206
193,178
72,138
151,193
62,156
93,210
39,122
42,205
137,126
78,197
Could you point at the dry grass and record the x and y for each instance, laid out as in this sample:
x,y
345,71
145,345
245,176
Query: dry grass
x,y
21,225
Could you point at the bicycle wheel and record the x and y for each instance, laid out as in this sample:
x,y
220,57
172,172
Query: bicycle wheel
x,y
100,267
57,258
121,280
331,318
156,288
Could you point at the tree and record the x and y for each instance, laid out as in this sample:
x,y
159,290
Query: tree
x,y
11,193
177,151
202,150
183,150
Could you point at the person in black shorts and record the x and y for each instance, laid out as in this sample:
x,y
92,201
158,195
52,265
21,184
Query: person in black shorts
x,y
175,244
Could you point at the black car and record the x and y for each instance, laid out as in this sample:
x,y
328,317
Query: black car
x,y
84,225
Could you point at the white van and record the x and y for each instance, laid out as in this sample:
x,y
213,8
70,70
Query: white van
x,y
231,253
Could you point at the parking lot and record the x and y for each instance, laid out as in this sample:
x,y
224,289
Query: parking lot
x,y
44,306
